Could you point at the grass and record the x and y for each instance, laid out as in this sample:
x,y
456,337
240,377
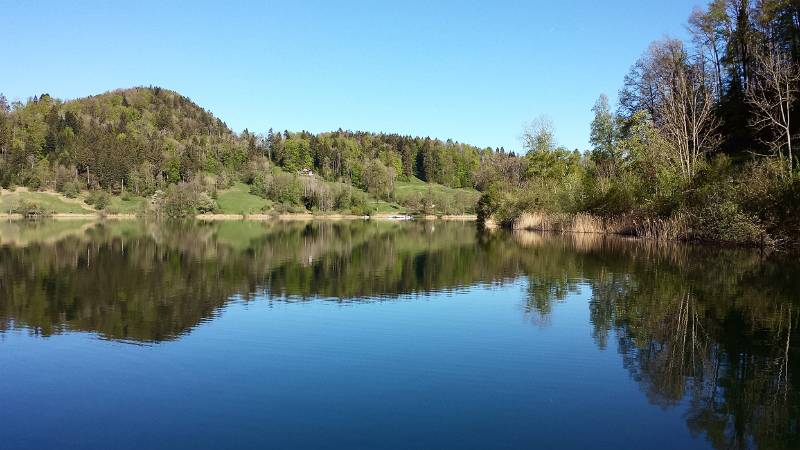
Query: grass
x,y
446,199
415,185
132,205
48,200
384,207
239,200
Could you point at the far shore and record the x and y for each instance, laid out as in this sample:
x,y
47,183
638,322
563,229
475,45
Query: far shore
x,y
255,217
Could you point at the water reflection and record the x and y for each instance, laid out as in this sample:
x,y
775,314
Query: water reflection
x,y
153,282
716,328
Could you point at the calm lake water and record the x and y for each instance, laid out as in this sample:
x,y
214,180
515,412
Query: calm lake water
x,y
135,335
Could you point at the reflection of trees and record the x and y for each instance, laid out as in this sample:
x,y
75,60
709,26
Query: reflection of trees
x,y
714,329
150,282
717,328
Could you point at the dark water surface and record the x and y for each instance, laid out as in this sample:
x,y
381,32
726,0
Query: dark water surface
x,y
136,335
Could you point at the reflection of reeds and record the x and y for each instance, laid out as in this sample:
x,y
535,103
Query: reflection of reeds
x,y
732,261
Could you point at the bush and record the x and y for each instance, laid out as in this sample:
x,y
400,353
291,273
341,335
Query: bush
x,y
71,189
286,188
318,195
261,185
62,176
178,201
182,200
287,208
726,222
205,204
224,181
31,209
279,187
99,199
503,205
362,210
257,166
359,201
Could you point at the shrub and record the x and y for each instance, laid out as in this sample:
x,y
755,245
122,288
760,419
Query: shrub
x,y
318,195
62,176
261,185
362,210
182,200
286,188
31,209
224,181
99,199
257,166
71,189
726,222
287,208
205,204
178,201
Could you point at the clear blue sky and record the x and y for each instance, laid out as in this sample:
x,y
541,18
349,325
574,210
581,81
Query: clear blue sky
x,y
470,71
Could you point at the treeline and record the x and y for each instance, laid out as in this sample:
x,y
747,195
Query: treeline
x,y
147,139
702,145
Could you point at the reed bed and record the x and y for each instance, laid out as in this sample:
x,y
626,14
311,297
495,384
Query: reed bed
x,y
673,228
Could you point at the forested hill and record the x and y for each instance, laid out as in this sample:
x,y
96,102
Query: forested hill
x,y
148,138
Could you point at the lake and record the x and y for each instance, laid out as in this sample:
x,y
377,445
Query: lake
x,y
383,335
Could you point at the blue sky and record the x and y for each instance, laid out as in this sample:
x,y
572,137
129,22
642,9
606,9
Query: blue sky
x,y
471,71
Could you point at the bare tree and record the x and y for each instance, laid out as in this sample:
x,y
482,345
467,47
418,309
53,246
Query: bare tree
x,y
539,135
772,94
708,35
639,88
685,114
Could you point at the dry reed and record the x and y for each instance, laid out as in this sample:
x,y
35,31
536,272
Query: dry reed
x,y
673,228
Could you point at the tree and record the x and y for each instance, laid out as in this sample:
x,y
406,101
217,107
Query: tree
x,y
539,135
4,107
297,154
685,110
708,34
378,179
772,94
602,135
5,128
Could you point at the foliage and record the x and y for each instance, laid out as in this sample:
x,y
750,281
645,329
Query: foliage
x,y
31,209
378,179
99,199
731,90
71,189
147,138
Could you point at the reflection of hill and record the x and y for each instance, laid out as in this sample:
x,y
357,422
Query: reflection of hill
x,y
716,327
21,233
150,282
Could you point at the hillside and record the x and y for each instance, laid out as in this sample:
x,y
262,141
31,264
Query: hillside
x,y
150,141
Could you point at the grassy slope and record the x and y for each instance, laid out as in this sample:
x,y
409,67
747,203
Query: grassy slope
x,y
133,205
52,201
238,200
384,207
417,186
